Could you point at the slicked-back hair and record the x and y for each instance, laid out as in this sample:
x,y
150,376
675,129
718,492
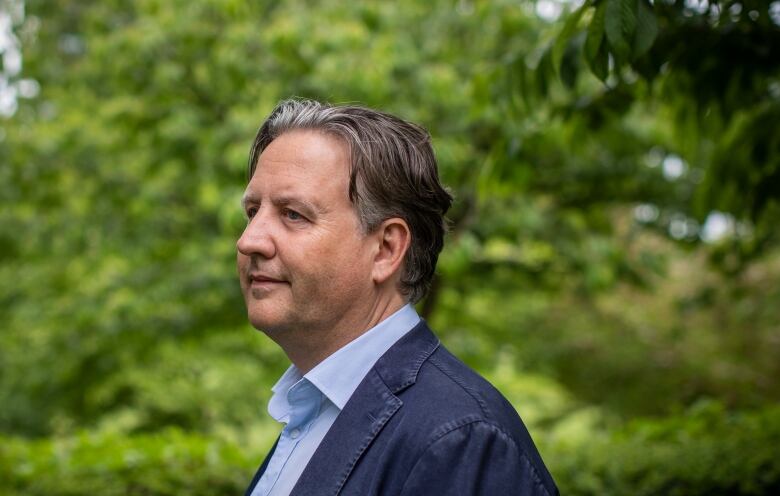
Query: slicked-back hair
x,y
393,173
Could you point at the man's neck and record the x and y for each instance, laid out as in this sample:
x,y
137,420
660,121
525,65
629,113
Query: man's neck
x,y
306,347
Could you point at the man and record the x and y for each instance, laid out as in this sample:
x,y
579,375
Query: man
x,y
345,222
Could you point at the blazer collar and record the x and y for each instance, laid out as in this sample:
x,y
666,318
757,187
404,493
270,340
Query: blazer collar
x,y
373,403
398,367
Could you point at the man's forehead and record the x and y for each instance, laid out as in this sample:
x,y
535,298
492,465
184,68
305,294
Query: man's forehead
x,y
308,154
303,193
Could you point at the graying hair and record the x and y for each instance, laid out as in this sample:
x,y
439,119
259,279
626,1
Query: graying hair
x,y
393,173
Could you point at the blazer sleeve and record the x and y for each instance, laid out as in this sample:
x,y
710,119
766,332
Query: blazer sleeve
x,y
475,459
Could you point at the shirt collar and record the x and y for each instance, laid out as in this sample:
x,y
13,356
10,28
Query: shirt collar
x,y
278,405
339,375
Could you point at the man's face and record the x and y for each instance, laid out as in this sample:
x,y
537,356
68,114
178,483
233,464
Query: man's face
x,y
303,261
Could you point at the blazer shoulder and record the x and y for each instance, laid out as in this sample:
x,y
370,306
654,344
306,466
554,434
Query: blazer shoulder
x,y
449,397
465,388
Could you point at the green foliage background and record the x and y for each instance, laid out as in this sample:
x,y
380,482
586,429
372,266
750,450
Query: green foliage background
x,y
592,149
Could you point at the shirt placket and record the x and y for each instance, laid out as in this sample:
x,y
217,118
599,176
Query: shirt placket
x,y
304,401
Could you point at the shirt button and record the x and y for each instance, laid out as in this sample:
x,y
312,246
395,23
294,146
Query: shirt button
x,y
295,433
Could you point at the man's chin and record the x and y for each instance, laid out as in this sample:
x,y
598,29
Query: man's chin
x,y
267,324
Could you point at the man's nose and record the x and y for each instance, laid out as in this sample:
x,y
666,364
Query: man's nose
x,y
257,238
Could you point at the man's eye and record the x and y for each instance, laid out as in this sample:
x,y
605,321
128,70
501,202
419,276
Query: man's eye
x,y
293,215
250,212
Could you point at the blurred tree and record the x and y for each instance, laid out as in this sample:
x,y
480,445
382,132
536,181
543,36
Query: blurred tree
x,y
708,72
120,184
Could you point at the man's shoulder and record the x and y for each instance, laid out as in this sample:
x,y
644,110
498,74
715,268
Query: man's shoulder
x,y
448,389
450,407
430,380
438,391
438,427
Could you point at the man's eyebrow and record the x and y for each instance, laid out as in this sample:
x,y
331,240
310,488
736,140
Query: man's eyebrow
x,y
286,201
248,198
291,201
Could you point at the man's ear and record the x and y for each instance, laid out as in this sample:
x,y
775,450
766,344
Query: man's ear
x,y
394,238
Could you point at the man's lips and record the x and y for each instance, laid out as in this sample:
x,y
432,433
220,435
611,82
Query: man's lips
x,y
264,280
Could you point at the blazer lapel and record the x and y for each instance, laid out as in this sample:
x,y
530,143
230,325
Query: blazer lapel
x,y
365,414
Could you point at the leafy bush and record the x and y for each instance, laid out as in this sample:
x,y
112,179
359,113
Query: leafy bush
x,y
168,463
707,451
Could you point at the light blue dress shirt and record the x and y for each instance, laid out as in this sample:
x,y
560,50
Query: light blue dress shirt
x,y
309,404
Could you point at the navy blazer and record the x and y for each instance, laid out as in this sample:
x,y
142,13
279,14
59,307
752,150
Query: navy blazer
x,y
422,423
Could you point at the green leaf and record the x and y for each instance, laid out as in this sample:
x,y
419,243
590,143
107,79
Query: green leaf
x,y
569,68
569,30
543,70
595,33
646,28
620,26
599,64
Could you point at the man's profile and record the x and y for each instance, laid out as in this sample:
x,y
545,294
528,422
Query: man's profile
x,y
345,222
